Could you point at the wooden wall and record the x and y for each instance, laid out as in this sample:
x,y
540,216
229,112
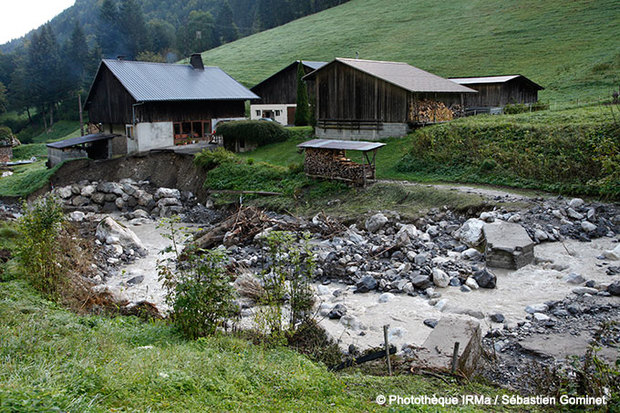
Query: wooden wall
x,y
500,94
111,104
344,93
281,88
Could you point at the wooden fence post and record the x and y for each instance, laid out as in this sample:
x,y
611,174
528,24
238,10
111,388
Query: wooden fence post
x,y
387,348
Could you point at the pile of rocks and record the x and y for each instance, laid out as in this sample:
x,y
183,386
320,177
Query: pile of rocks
x,y
126,195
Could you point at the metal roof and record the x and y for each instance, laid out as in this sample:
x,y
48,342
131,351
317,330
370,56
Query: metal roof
x,y
80,140
491,79
314,65
403,75
363,146
147,81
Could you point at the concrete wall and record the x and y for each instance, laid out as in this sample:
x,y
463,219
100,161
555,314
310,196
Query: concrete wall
x,y
56,156
388,130
281,119
152,136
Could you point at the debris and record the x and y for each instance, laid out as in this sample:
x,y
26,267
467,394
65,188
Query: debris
x,y
508,245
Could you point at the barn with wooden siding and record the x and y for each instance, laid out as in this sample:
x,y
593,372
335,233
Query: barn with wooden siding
x,y
155,105
498,91
278,93
370,99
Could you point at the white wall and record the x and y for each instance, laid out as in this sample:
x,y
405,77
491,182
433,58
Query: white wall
x,y
282,118
151,136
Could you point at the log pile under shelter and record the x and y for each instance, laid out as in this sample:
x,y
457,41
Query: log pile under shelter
x,y
327,158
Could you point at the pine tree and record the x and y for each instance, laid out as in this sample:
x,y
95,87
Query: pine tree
x,y
226,28
198,34
133,27
108,29
76,52
302,113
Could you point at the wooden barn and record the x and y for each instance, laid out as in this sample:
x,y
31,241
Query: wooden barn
x,y
370,99
278,93
156,105
498,91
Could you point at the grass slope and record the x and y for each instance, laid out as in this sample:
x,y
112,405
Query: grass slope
x,y
53,360
570,48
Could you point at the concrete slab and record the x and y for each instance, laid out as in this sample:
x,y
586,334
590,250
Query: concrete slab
x,y
436,352
508,245
562,345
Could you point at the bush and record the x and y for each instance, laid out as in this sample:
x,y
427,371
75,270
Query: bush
x,y
289,275
515,108
6,136
198,288
38,248
208,159
252,132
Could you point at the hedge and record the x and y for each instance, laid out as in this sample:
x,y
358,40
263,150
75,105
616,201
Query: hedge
x,y
258,132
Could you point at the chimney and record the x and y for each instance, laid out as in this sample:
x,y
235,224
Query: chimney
x,y
196,61
120,57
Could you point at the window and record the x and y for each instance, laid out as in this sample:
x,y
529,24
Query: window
x,y
278,113
190,132
258,113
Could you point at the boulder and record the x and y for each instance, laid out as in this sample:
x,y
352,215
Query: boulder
x,y
576,203
337,312
167,193
485,278
376,222
108,228
440,278
613,254
614,288
508,246
436,352
64,192
536,308
88,190
470,232
366,284
574,278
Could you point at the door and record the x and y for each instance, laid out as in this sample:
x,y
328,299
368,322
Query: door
x,y
290,115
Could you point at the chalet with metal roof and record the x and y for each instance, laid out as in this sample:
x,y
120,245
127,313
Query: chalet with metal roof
x,y
498,91
278,93
155,105
370,99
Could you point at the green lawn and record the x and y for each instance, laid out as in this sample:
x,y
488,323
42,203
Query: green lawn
x,y
570,48
53,360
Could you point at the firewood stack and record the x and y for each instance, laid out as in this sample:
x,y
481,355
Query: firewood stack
x,y
429,111
333,164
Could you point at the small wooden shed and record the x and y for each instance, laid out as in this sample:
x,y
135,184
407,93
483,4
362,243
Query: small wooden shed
x,y
94,146
498,91
327,158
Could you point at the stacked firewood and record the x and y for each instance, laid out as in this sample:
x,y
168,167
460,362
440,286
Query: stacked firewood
x,y
333,164
429,111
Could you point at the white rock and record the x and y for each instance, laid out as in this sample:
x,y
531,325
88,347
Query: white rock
x,y
376,222
575,203
588,226
108,227
440,278
471,283
536,308
88,190
487,216
471,254
515,218
613,254
322,290
385,297
541,317
167,193
574,214
64,192
540,235
574,278
77,216
470,232
441,304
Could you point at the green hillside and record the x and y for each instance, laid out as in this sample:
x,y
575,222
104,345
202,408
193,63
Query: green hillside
x,y
571,48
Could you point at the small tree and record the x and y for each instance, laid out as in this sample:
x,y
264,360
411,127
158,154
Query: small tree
x,y
198,287
302,113
39,251
288,278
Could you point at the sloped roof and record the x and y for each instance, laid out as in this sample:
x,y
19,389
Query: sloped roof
x,y
147,82
402,75
491,79
313,65
66,143
363,146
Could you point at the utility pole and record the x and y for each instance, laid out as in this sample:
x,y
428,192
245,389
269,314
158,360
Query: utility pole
x,y
80,110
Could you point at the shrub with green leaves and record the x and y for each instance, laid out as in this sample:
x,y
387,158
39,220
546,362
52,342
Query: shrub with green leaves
x,y
288,278
198,287
252,132
6,136
208,159
39,252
